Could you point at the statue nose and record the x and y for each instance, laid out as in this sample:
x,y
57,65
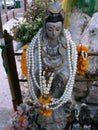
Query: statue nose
x,y
53,33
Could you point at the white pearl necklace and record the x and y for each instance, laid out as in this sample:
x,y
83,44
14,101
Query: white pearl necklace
x,y
72,62
46,86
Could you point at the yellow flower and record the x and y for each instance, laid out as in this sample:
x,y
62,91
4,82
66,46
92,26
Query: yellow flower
x,y
45,100
82,59
23,60
45,112
22,118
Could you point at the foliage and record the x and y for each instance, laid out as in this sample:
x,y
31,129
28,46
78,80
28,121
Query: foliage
x,y
35,10
87,6
25,31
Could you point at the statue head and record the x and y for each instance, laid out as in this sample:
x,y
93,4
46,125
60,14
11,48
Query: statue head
x,y
53,21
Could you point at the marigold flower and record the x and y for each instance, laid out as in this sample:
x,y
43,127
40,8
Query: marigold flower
x,y
82,59
22,118
23,60
45,112
45,100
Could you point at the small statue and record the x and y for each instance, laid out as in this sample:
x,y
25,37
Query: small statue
x,y
76,125
87,123
84,117
94,125
73,119
76,111
20,121
51,65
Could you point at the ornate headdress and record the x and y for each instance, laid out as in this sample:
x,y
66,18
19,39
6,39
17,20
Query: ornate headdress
x,y
54,8
54,13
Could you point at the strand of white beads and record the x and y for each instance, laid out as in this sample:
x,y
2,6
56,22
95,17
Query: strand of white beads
x,y
72,61
47,86
40,64
39,54
29,57
65,97
72,65
44,82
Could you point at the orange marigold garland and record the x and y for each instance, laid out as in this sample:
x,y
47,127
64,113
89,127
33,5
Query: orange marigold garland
x,y
45,111
82,64
45,99
23,61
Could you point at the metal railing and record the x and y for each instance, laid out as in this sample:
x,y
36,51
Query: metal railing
x,y
77,80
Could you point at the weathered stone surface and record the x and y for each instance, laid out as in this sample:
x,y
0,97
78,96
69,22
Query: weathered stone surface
x,y
81,90
84,31
90,38
90,35
78,23
93,95
86,92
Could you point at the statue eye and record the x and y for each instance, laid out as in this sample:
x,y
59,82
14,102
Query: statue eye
x,y
49,29
58,29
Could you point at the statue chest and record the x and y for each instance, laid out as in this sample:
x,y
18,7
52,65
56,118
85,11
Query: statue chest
x,y
55,58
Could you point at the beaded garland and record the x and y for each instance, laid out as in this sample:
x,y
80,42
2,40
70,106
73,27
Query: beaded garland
x,y
72,62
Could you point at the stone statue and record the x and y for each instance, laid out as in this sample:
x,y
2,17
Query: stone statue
x,y
76,125
51,65
85,117
94,125
73,119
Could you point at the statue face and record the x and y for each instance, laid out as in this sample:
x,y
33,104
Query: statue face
x,y
53,30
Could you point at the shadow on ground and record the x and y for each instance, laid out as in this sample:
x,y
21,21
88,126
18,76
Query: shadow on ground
x,y
5,117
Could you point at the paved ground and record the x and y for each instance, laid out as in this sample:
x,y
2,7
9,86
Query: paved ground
x,y
12,13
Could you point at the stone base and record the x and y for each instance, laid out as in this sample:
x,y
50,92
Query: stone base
x,y
92,98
